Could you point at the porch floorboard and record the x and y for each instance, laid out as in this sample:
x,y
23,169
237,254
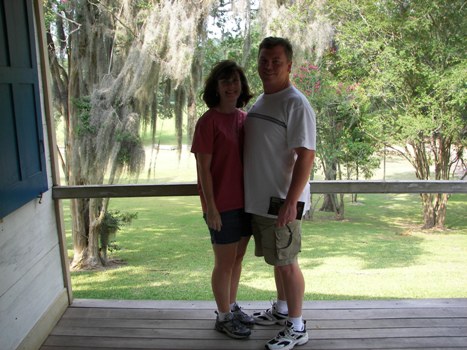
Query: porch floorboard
x,y
369,324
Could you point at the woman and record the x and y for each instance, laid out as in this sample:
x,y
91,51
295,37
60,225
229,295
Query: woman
x,y
218,148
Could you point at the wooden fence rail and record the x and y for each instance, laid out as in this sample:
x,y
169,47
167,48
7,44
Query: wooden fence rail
x,y
190,189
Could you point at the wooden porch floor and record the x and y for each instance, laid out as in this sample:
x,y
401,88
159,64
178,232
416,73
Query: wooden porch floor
x,y
391,324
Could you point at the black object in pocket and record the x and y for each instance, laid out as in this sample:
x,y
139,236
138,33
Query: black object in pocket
x,y
275,203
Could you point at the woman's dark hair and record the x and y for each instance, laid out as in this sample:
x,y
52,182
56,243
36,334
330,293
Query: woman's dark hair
x,y
271,42
225,70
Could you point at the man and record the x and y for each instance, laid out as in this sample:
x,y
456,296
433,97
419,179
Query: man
x,y
280,143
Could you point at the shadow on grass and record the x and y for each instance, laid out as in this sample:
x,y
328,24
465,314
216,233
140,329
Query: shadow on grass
x,y
375,231
195,288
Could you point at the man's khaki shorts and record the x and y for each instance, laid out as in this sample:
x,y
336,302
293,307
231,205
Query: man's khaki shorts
x,y
279,245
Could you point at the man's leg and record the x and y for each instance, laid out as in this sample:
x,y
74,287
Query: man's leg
x,y
292,287
294,332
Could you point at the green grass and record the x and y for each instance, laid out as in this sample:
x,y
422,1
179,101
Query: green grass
x,y
377,252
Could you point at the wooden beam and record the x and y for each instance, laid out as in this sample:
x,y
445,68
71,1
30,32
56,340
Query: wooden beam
x,y
112,191
47,95
412,186
190,189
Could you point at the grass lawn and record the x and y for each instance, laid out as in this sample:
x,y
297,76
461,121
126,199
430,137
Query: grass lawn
x,y
377,252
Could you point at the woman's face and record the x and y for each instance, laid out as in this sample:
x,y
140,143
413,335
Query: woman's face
x,y
230,88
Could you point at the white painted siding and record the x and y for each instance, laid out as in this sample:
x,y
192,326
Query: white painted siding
x,y
31,277
30,269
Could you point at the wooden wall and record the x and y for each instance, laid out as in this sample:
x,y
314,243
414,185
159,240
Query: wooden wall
x,y
33,277
30,272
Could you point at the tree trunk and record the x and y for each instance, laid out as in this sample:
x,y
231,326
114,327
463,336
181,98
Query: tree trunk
x,y
191,115
194,82
87,218
96,215
80,229
180,98
434,210
434,205
441,210
247,41
332,202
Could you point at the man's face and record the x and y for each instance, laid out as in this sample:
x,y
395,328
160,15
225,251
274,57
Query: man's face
x,y
274,69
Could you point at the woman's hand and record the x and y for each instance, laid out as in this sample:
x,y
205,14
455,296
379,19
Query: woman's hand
x,y
213,219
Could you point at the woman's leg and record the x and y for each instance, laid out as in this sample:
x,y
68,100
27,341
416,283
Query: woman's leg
x,y
225,256
237,268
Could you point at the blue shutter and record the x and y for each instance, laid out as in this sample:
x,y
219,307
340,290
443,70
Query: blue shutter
x,y
22,161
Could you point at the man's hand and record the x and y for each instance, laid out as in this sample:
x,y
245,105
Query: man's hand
x,y
287,214
300,176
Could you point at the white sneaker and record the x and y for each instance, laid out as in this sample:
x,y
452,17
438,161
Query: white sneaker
x,y
288,338
270,317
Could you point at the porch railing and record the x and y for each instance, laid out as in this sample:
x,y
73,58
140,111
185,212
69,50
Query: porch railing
x,y
190,189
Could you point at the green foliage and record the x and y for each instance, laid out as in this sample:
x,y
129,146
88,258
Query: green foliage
x,y
83,108
340,123
115,220
112,222
231,45
49,14
404,54
166,100
128,143
143,4
52,8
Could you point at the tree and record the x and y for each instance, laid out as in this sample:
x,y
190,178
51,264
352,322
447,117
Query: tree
x,y
107,61
305,23
343,150
409,58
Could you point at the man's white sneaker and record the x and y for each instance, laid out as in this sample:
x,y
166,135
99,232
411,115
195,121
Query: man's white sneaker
x,y
288,338
270,317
